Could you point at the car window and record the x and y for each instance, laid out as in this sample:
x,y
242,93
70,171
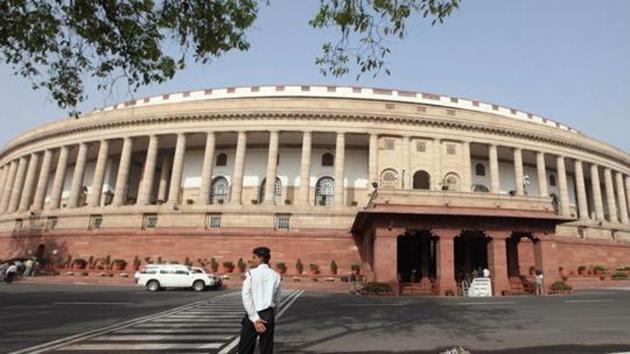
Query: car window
x,y
182,272
150,271
167,271
197,271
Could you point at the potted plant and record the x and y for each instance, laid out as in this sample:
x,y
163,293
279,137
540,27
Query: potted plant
x,y
299,266
532,270
599,269
581,270
79,263
214,265
119,264
91,262
242,266
228,266
560,287
314,268
356,269
333,267
282,267
188,262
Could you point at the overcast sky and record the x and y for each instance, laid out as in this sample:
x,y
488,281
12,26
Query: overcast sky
x,y
566,60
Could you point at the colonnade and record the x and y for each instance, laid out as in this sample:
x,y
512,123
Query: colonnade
x,y
24,180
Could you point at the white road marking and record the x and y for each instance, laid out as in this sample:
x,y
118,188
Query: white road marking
x,y
208,330
93,303
157,337
586,301
487,303
142,346
185,325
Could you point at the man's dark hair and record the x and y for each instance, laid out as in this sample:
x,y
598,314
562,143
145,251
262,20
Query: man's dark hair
x,y
264,253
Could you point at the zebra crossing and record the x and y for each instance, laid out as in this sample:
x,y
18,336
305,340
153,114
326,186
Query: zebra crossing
x,y
207,326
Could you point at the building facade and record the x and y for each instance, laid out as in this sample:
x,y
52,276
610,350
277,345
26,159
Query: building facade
x,y
410,185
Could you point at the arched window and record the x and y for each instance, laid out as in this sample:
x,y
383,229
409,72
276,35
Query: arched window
x,y
552,180
219,190
277,191
221,159
389,178
421,180
450,182
480,169
480,188
328,159
325,191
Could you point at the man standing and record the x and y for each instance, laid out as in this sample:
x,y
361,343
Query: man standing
x,y
261,296
11,273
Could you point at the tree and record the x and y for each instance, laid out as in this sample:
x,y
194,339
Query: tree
x,y
57,44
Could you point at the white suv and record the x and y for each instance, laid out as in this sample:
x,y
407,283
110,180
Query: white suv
x,y
157,276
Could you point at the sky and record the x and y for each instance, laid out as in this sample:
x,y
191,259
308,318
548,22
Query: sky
x,y
568,60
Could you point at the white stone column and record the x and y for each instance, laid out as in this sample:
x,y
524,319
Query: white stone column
x,y
494,168
628,192
272,167
437,165
6,193
4,172
467,178
42,181
146,185
565,209
120,192
164,173
621,198
176,174
405,147
305,169
541,170
27,192
597,193
340,153
99,174
373,159
206,170
581,191
16,191
77,177
610,196
518,171
58,180
239,167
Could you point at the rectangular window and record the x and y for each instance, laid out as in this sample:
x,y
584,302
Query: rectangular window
x,y
388,144
149,221
96,221
283,221
213,221
51,223
19,224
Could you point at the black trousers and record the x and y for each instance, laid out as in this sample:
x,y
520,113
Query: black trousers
x,y
247,344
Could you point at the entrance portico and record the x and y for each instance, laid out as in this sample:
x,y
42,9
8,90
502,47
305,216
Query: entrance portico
x,y
402,244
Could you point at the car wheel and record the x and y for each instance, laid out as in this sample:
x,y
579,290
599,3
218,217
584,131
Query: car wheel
x,y
153,285
199,285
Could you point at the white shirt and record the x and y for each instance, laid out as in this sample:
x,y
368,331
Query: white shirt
x,y
12,269
261,290
486,273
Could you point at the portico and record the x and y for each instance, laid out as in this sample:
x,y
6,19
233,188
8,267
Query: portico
x,y
442,245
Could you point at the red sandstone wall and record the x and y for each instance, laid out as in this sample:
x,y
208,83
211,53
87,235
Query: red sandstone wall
x,y
574,253
285,247
526,256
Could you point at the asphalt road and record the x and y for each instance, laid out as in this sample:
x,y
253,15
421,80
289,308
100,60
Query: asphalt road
x,y
594,321
32,314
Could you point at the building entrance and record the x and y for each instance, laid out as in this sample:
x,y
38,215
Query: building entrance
x,y
471,254
416,256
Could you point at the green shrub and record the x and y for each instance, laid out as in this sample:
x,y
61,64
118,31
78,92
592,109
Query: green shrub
x,y
299,266
561,286
282,267
600,268
333,267
214,265
241,265
619,276
314,268
376,288
121,263
356,267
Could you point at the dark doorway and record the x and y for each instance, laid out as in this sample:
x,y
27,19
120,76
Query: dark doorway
x,y
421,180
416,256
471,254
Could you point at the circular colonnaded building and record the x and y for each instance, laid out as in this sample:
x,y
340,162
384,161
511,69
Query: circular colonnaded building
x,y
417,188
